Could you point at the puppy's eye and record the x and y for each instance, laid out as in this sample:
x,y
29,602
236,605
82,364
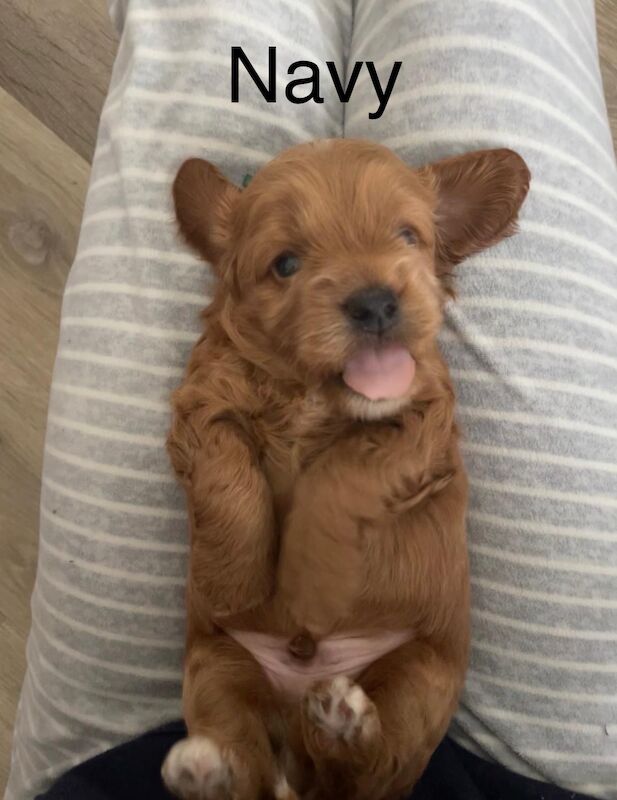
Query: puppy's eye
x,y
409,236
286,265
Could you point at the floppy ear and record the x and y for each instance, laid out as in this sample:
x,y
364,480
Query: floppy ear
x,y
204,201
478,199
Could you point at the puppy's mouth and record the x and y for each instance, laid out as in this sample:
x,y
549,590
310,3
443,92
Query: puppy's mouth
x,y
380,372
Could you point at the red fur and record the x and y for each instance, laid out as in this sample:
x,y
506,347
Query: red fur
x,y
311,509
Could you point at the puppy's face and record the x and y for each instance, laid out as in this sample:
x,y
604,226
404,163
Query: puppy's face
x,y
334,260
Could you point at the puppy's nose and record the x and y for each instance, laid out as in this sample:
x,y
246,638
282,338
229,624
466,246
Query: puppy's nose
x,y
372,310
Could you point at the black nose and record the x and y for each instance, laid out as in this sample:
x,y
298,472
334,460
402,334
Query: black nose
x,y
372,310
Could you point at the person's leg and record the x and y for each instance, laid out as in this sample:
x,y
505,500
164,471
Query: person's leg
x,y
454,773
531,343
131,771
105,653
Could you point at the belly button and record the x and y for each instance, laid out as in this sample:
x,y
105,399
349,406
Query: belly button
x,y
302,646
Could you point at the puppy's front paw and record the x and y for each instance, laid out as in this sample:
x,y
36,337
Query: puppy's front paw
x,y
195,769
342,711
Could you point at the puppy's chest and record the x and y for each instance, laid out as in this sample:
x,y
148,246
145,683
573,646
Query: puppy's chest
x,y
290,433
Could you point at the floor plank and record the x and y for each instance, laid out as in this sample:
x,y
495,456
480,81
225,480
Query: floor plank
x,y
606,14
56,58
42,188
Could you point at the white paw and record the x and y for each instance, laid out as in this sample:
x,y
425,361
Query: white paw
x,y
196,770
342,709
282,790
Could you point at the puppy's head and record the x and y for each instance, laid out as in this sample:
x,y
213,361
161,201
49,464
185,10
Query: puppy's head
x,y
336,260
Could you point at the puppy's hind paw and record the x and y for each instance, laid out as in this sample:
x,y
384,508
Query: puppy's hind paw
x,y
282,790
195,769
342,711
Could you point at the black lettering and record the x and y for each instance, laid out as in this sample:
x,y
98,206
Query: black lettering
x,y
269,91
312,79
381,95
344,95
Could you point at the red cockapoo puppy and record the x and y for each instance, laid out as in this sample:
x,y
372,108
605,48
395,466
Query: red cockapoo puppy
x,y
328,600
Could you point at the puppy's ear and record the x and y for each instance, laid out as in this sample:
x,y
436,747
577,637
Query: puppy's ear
x,y
204,201
478,199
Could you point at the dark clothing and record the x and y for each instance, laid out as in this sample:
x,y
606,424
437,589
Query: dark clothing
x,y
132,771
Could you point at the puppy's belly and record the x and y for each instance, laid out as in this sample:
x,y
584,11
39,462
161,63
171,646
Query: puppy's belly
x,y
340,654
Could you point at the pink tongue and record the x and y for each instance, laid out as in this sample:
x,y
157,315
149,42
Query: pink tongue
x,y
382,373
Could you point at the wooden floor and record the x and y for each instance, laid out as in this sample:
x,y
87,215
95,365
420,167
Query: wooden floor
x,y
55,63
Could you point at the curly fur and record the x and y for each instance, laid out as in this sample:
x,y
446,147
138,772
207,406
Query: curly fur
x,y
311,508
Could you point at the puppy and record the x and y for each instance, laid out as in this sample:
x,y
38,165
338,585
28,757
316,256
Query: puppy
x,y
328,599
